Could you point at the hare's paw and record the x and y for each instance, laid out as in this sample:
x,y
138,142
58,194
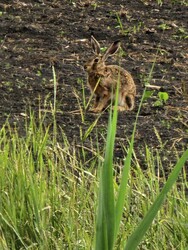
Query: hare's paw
x,y
94,110
120,108
97,110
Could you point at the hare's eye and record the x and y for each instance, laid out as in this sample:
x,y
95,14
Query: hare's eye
x,y
96,60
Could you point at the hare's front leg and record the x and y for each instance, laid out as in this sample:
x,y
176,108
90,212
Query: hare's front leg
x,y
96,103
102,104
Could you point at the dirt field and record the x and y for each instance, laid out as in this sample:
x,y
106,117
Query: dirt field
x,y
36,34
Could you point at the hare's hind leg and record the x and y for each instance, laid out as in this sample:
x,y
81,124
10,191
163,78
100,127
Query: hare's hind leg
x,y
129,99
121,108
125,102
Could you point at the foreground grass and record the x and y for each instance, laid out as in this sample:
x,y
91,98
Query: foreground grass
x,y
110,208
44,202
49,198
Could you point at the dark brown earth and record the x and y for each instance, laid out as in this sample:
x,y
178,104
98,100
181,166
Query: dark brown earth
x,y
34,35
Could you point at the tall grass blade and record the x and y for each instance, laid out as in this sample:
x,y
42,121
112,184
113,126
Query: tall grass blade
x,y
140,231
108,188
101,236
90,129
106,208
122,189
54,110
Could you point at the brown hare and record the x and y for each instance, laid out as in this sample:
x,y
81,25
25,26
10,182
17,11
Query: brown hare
x,y
103,79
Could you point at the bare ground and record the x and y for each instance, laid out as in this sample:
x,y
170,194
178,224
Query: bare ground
x,y
34,35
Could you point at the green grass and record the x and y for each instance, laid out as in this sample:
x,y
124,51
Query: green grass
x,y
49,198
110,208
41,188
59,195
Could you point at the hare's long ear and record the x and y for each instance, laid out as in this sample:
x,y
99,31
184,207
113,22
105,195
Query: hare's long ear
x,y
95,45
111,50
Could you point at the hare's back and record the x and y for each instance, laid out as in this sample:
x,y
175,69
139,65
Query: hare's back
x,y
118,72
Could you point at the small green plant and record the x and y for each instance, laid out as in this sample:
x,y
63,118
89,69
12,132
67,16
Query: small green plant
x,y
135,29
39,73
164,26
182,2
148,94
94,5
103,49
182,33
160,2
162,99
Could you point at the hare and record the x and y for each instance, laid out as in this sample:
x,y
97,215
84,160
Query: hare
x,y
103,79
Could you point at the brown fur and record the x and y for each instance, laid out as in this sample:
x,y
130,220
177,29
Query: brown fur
x,y
103,80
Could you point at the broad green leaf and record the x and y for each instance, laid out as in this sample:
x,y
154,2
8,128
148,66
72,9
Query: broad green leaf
x,y
141,230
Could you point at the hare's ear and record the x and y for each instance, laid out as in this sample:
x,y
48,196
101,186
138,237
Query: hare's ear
x,y
95,45
112,49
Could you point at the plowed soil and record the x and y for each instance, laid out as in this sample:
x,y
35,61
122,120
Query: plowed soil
x,y
34,35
